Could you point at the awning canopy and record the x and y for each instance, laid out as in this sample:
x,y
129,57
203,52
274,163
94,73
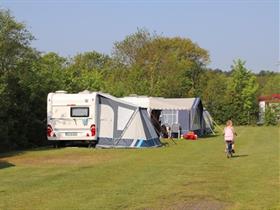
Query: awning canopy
x,y
171,103
157,103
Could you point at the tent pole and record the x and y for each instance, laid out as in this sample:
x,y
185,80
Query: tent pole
x,y
212,130
217,125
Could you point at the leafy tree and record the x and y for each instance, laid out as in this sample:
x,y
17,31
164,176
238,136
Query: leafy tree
x,y
172,65
269,83
49,71
14,42
168,67
86,71
242,89
16,57
127,51
45,75
89,61
117,82
215,96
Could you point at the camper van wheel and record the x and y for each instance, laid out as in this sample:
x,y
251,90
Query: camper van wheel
x,y
55,145
91,144
61,144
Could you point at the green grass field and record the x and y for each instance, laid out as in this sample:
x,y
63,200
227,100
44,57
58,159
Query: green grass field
x,y
189,175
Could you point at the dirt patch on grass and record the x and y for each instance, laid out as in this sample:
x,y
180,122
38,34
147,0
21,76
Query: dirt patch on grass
x,y
199,205
57,159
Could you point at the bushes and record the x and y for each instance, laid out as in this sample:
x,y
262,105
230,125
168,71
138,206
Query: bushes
x,y
271,115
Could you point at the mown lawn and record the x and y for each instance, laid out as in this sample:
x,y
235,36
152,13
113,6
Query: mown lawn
x,y
189,175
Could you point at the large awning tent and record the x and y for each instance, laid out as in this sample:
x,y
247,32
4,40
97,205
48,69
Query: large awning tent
x,y
184,112
123,124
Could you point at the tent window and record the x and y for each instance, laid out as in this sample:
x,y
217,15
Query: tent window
x,y
124,116
169,117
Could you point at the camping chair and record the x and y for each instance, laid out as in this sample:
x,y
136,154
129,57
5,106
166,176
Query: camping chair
x,y
176,130
169,132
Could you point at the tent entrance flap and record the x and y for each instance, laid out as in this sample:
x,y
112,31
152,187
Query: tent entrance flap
x,y
155,119
126,126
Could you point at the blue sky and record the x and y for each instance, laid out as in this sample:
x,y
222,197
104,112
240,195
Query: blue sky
x,y
228,29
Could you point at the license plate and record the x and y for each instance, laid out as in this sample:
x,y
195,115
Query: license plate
x,y
71,134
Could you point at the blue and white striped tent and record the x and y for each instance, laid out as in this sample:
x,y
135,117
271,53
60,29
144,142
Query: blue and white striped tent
x,y
123,124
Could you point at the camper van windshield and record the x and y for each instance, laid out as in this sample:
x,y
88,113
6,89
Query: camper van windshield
x,y
79,111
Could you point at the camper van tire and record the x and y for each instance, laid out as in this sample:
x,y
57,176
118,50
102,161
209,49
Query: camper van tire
x,y
59,144
91,144
55,144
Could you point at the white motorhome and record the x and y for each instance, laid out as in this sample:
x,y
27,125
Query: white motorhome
x,y
95,117
71,116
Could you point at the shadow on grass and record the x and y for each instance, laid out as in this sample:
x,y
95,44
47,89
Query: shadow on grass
x,y
43,148
209,136
238,156
165,144
20,152
10,154
5,164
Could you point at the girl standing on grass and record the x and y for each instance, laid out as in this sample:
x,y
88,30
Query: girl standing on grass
x,y
229,134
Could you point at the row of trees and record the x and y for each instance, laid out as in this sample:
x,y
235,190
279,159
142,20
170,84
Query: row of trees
x,y
143,64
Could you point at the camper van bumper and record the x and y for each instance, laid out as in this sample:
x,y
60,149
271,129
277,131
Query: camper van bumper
x,y
72,139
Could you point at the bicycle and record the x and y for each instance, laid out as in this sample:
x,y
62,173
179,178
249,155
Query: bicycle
x,y
229,152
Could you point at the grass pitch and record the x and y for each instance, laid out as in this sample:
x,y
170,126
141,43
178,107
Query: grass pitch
x,y
188,175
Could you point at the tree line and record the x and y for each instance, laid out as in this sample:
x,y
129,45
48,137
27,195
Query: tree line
x,y
143,63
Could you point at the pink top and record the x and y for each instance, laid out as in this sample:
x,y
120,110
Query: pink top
x,y
229,133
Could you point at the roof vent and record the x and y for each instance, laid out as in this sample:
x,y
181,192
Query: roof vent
x,y
85,92
61,92
133,95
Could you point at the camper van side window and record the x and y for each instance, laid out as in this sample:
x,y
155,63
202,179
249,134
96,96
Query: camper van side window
x,y
79,111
